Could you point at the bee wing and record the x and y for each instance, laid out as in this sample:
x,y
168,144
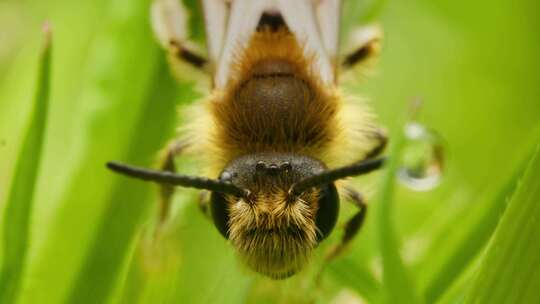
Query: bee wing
x,y
168,21
316,24
216,13
230,24
243,19
329,17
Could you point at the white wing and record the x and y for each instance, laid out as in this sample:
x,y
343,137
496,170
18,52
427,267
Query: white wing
x,y
243,19
216,13
169,21
329,16
314,22
299,15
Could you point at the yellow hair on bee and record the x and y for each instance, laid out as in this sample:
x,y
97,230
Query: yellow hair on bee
x,y
275,236
315,120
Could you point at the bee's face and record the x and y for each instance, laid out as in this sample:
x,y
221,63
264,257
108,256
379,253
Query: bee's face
x,y
274,231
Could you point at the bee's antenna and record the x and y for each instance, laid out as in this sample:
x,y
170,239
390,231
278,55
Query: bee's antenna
x,y
165,177
328,176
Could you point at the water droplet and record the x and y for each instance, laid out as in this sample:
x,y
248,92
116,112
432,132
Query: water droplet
x,y
422,158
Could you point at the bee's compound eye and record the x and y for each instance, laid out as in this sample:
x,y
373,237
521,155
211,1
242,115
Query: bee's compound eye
x,y
220,213
328,211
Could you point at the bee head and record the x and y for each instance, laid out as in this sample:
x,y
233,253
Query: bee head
x,y
274,207
273,228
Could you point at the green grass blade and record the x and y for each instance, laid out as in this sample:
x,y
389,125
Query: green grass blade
x,y
117,76
455,294
509,270
458,246
349,274
129,200
397,284
465,243
21,196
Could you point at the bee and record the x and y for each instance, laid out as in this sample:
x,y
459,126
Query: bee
x,y
275,133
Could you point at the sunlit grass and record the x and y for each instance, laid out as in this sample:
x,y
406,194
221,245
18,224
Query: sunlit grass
x,y
508,271
22,190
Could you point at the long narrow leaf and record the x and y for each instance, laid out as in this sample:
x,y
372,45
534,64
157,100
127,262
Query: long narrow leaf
x,y
351,275
117,76
458,247
128,199
509,270
21,196
397,284
455,294
464,244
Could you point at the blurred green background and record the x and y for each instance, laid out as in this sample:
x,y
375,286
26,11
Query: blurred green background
x,y
473,63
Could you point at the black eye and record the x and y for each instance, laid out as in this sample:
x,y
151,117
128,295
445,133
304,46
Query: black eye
x,y
328,211
220,214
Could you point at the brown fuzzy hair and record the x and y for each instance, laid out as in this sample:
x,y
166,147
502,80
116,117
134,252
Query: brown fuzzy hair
x,y
315,120
274,235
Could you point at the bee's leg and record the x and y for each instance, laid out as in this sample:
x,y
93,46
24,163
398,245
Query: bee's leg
x,y
351,229
166,191
183,53
367,44
204,201
169,20
352,226
381,140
